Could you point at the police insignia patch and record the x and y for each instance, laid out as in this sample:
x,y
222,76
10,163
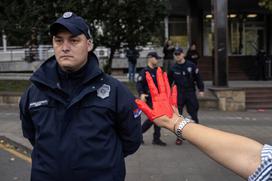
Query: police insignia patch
x,y
104,91
67,14
139,78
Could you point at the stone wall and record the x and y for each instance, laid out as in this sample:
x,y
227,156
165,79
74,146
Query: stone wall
x,y
7,98
230,99
19,66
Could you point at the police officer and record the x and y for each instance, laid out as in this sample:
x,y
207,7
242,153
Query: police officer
x,y
80,121
132,56
186,76
192,54
168,50
260,62
143,90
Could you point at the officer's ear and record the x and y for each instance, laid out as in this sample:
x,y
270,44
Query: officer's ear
x,y
90,45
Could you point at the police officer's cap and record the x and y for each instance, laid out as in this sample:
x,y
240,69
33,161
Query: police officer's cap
x,y
73,23
178,50
153,54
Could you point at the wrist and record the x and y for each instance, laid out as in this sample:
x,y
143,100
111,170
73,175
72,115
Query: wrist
x,y
176,119
180,125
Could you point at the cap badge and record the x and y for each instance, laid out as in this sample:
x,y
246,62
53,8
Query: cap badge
x,y
67,14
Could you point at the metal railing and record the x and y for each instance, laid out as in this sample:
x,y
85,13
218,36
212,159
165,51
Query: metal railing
x,y
40,53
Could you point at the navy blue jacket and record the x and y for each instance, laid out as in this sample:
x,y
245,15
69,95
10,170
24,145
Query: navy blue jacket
x,y
83,134
142,86
186,76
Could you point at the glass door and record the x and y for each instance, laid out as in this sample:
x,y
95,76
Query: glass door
x,y
254,39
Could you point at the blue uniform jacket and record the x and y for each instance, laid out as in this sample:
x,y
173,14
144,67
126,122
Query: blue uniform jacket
x,y
142,86
186,76
84,138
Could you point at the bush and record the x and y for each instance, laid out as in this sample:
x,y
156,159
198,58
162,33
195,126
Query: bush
x,y
13,85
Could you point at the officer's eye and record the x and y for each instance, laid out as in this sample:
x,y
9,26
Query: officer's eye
x,y
58,41
74,40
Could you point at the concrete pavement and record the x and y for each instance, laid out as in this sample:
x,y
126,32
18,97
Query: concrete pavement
x,y
172,163
13,168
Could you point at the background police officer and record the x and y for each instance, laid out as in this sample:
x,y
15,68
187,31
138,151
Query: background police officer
x,y
192,54
80,121
132,56
143,90
186,76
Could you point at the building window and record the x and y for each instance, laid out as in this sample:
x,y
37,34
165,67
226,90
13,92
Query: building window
x,y
246,34
207,36
178,31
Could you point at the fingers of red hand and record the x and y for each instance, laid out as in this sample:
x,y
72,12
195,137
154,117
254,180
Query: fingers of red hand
x,y
174,96
152,87
145,108
160,81
166,83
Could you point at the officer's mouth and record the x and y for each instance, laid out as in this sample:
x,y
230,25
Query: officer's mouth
x,y
65,57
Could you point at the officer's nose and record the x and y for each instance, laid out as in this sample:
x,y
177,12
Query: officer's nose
x,y
66,46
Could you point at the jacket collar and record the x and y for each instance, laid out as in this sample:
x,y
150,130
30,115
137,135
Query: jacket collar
x,y
47,74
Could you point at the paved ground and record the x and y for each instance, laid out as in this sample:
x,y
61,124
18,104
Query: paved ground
x,y
13,168
170,163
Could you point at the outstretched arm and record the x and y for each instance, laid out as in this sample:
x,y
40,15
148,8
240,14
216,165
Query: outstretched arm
x,y
240,154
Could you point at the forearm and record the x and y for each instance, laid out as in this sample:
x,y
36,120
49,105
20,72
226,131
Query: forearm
x,y
238,153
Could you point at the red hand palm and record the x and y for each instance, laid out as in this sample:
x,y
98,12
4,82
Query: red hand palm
x,y
162,99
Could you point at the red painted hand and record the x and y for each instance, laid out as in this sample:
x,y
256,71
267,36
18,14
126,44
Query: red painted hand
x,y
162,98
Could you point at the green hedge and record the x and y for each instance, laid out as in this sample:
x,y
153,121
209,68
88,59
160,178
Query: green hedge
x,y
21,85
13,85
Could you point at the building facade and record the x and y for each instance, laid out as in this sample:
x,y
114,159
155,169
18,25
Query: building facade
x,y
248,31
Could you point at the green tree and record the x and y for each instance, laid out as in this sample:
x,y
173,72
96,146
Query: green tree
x,y
23,20
126,21
113,22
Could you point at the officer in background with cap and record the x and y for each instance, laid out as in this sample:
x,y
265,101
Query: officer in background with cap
x,y
186,76
143,90
80,121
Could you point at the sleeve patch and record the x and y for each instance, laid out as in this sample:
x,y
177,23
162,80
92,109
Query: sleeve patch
x,y
137,112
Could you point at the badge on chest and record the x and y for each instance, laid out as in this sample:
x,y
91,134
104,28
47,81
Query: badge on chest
x,y
104,91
